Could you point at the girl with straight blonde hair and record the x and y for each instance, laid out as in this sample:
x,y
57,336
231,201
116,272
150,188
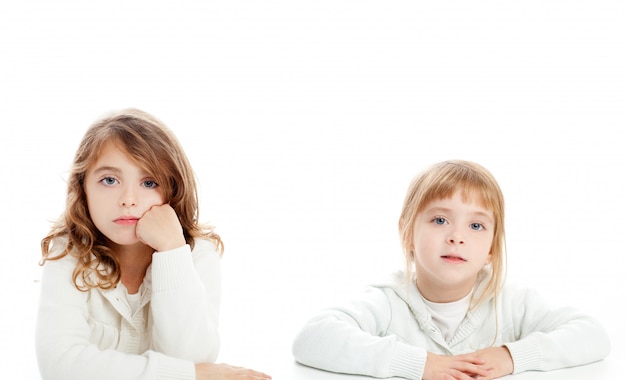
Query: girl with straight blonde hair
x,y
447,315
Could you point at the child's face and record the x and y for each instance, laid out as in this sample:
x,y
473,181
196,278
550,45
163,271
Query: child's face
x,y
452,242
118,193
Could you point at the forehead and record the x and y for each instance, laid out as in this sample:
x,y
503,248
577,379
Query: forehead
x,y
113,156
110,151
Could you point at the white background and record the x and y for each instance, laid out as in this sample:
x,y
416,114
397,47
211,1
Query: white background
x,y
306,120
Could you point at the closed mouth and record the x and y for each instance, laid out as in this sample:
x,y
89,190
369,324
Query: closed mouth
x,y
453,258
126,219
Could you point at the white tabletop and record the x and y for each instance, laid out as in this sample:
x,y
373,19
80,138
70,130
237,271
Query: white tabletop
x,y
278,362
287,369
599,370
256,335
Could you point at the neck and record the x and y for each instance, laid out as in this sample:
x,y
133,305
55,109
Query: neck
x,y
440,293
134,262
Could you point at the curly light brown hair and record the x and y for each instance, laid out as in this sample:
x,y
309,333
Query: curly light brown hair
x,y
154,148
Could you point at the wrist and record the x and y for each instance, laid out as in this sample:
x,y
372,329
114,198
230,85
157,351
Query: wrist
x,y
170,245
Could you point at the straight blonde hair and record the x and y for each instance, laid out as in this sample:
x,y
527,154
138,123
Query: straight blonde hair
x,y
441,181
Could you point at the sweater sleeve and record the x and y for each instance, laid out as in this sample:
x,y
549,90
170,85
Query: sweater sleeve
x,y
553,338
63,345
186,288
352,339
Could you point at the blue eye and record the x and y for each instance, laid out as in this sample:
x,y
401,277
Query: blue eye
x,y
439,220
150,184
476,226
108,181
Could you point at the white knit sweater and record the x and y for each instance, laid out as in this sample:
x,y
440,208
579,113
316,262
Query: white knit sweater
x,y
388,331
94,335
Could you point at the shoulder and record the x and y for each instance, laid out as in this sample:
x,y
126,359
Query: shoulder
x,y
391,294
398,287
57,277
205,250
204,246
526,304
63,263
373,309
516,293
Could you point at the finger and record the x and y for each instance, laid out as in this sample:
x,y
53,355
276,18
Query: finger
x,y
460,375
258,374
249,373
471,369
471,358
254,375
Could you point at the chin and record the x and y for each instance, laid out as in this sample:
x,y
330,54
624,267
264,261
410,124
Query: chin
x,y
126,241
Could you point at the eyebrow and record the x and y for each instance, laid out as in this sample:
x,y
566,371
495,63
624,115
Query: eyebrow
x,y
115,170
444,210
106,169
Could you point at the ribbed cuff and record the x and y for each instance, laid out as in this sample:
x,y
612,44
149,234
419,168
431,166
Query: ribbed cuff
x,y
170,368
408,362
171,269
526,355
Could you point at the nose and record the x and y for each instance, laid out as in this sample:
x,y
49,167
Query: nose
x,y
128,198
455,238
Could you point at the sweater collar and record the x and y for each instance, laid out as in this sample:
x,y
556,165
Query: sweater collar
x,y
404,288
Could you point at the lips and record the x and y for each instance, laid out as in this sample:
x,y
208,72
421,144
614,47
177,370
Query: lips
x,y
126,220
453,259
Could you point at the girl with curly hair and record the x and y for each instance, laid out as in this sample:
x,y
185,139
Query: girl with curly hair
x,y
131,280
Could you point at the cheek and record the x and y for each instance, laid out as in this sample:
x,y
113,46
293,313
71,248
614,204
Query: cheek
x,y
486,247
91,204
155,199
96,213
423,243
